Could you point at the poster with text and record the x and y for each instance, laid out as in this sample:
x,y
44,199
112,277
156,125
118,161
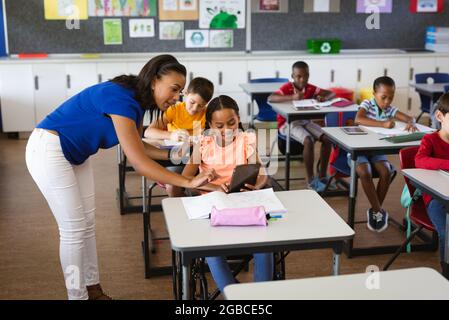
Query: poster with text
x,y
112,31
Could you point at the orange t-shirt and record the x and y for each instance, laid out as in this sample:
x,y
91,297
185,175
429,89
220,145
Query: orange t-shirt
x,y
179,119
224,159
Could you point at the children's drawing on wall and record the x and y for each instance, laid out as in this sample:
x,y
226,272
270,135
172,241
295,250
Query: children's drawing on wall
x,y
426,6
141,28
171,30
269,5
122,8
221,39
187,4
197,38
222,14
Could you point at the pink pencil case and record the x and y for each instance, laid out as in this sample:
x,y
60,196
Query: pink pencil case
x,y
252,216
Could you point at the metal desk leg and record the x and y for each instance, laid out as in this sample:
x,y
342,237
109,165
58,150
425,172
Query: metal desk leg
x,y
446,247
336,253
146,241
185,281
351,203
251,113
287,157
336,264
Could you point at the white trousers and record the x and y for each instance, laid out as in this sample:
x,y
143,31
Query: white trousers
x,y
69,191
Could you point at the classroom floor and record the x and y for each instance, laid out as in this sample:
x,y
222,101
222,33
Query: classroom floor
x,y
29,246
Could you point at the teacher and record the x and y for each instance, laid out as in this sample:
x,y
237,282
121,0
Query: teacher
x,y
59,148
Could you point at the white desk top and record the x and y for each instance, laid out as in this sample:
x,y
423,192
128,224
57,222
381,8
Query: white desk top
x,y
309,219
434,180
432,88
287,109
267,87
370,141
407,284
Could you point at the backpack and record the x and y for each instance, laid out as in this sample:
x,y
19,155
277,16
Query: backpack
x,y
407,201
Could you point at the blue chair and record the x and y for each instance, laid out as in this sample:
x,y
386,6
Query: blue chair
x,y
266,113
426,101
339,160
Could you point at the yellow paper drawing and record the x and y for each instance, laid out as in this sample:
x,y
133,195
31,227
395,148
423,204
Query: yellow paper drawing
x,y
65,9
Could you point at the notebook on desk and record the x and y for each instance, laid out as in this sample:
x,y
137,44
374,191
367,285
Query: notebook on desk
x,y
200,207
313,104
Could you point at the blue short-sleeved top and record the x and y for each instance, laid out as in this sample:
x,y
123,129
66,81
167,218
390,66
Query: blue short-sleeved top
x,y
374,112
83,124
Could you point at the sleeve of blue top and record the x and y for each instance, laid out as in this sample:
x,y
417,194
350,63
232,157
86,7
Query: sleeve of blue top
x,y
119,101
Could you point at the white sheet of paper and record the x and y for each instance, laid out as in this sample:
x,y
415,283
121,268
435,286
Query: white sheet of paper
x,y
170,5
199,207
141,28
321,5
397,130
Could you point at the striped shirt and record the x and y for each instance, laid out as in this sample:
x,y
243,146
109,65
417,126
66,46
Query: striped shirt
x,y
374,112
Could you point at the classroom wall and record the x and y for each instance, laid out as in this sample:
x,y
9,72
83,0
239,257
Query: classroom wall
x,y
28,31
290,31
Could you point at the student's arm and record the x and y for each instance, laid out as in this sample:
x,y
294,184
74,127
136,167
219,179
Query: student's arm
x,y
191,169
424,159
133,147
411,126
158,129
325,95
362,119
279,97
262,178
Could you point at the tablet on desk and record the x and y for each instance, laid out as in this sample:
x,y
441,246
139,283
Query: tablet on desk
x,y
244,174
353,130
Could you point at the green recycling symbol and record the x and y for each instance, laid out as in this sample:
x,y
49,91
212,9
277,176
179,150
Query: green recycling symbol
x,y
326,47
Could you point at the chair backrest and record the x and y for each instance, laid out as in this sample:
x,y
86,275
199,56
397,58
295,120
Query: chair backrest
x,y
426,78
264,80
446,88
340,119
418,212
266,113
432,77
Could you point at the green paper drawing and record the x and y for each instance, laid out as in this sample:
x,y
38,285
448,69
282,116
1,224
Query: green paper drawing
x,y
222,14
112,31
224,20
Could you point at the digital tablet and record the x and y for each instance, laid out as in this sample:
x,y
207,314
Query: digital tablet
x,y
353,130
244,174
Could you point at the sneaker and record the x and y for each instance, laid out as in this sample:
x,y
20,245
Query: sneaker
x,y
316,185
332,186
371,221
383,223
377,221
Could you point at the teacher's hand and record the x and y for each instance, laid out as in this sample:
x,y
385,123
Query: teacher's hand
x,y
203,178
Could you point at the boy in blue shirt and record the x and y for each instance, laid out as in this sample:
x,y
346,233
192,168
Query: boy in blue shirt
x,y
378,112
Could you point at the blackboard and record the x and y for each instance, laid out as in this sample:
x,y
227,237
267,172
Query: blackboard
x,y
29,32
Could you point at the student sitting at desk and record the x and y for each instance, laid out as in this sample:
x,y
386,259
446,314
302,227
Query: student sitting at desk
x,y
433,154
305,132
183,119
224,146
378,112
